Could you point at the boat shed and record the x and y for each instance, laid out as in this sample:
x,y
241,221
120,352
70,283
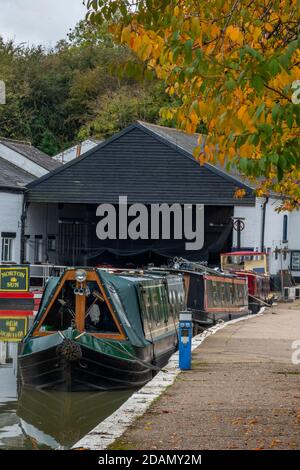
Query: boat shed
x,y
147,163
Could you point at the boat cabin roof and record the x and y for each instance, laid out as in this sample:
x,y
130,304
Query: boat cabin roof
x,y
244,253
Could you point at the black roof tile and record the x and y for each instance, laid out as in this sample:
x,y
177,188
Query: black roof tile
x,y
32,153
12,176
144,164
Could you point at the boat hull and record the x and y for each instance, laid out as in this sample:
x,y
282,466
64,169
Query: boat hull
x,y
46,369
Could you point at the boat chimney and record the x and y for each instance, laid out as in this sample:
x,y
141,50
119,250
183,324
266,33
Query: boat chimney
x,y
78,150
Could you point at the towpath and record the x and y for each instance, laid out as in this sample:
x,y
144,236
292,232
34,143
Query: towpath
x,y
242,393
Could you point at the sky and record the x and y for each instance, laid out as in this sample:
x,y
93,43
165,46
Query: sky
x,y
39,21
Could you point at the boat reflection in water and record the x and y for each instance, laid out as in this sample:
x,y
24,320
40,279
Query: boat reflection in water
x,y
57,420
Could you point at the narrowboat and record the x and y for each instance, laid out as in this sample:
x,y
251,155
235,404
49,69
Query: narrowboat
x,y
211,295
101,330
251,265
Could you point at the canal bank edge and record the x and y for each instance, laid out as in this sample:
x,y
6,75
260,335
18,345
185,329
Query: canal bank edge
x,y
113,427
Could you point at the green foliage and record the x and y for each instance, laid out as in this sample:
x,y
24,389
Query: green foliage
x,y
87,86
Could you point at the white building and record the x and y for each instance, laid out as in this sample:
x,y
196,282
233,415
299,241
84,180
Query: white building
x,y
73,152
268,230
20,164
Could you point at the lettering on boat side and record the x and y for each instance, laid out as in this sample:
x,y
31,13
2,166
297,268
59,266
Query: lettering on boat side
x,y
151,458
152,222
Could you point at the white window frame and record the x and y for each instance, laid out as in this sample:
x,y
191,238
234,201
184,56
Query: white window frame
x,y
9,242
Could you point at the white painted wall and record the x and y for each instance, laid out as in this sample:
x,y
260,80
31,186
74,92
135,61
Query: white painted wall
x,y
294,234
251,235
21,161
11,205
3,352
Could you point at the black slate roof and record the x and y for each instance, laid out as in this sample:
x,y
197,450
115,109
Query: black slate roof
x,y
189,142
148,164
13,177
32,153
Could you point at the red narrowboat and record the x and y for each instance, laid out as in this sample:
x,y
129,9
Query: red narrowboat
x,y
253,266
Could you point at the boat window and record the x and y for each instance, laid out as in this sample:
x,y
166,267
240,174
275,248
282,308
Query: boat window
x,y
215,296
176,297
98,318
159,304
155,303
231,291
227,293
62,313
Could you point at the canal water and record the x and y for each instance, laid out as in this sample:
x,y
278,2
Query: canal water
x,y
50,420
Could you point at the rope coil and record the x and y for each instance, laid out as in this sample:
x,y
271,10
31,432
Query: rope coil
x,y
69,350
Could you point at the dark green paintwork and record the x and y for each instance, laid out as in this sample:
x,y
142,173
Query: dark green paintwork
x,y
109,347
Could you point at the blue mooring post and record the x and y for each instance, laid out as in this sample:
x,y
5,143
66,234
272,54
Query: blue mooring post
x,y
185,340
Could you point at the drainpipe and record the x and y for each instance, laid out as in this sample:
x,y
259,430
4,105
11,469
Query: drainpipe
x,y
263,224
23,219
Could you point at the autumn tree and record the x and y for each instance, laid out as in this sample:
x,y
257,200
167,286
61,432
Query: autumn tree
x,y
233,67
86,86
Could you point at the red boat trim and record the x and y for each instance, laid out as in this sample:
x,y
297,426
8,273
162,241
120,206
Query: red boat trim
x,y
16,295
231,280
16,313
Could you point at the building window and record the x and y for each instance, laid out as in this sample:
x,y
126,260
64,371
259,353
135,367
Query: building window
x,y
285,229
8,249
38,248
295,261
51,243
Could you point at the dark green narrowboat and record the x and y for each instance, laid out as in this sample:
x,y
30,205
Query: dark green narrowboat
x,y
102,330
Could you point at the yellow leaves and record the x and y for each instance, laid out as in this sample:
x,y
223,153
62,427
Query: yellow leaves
x,y
268,27
176,11
232,95
254,32
126,35
235,34
210,48
202,106
231,152
242,113
209,151
260,192
156,51
167,114
239,193
214,31
189,128
194,118
239,94
281,80
246,151
195,26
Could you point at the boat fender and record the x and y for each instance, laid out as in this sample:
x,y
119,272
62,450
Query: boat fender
x,y
69,350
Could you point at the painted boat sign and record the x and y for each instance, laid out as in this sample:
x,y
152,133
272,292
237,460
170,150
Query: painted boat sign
x,y
13,329
14,278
